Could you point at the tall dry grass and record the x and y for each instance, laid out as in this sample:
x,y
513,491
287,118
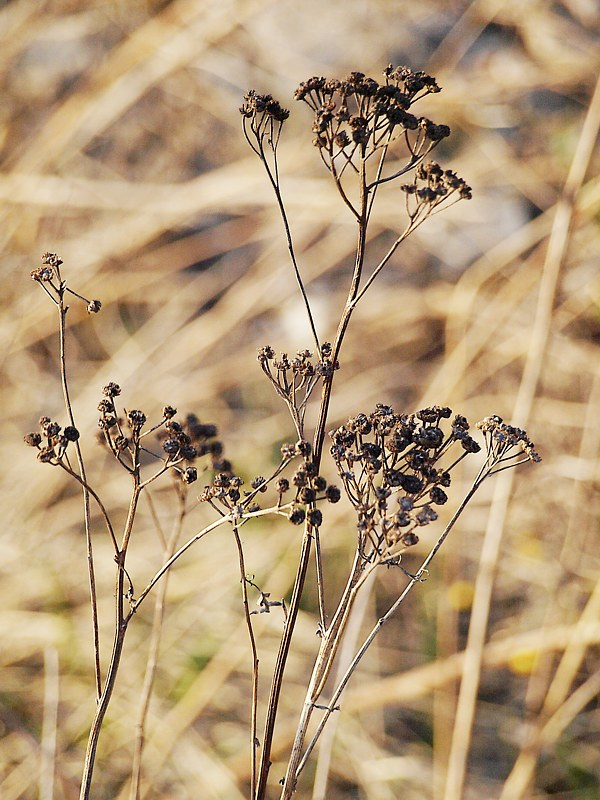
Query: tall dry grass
x,y
122,151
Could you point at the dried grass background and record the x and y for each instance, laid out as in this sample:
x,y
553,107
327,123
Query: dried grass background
x,y
121,150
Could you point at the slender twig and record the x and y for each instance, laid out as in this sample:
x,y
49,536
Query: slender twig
x,y
228,518
254,651
153,650
273,175
121,623
308,533
62,313
96,497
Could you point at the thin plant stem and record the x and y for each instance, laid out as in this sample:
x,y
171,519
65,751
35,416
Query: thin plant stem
x,y
101,505
273,175
153,651
282,654
121,623
304,556
255,662
62,313
414,579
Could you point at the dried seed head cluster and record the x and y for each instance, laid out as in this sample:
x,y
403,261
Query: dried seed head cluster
x,y
431,187
182,442
52,441
359,115
295,378
48,275
263,120
297,495
391,468
506,445
258,105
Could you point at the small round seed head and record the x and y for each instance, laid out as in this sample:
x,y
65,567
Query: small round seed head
x,y
52,429
410,539
319,483
170,446
52,260
94,306
46,455
33,439
299,478
71,433
296,515
111,389
189,475
306,495
303,448
438,496
188,452
136,419
333,494
314,517
282,485
288,450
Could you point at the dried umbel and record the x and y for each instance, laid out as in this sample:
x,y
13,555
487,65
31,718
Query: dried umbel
x,y
52,441
49,277
182,442
294,379
359,114
395,469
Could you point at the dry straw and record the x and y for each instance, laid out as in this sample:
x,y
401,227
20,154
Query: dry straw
x,y
121,150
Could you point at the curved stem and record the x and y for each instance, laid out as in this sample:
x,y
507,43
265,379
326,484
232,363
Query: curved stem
x,y
96,497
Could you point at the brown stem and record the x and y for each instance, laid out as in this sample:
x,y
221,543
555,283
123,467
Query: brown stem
x,y
318,442
254,710
284,647
121,622
62,311
329,646
157,624
111,676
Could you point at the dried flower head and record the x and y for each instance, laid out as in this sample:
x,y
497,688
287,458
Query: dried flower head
x,y
356,117
506,445
393,467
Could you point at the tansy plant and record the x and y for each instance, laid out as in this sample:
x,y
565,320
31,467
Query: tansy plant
x,y
393,469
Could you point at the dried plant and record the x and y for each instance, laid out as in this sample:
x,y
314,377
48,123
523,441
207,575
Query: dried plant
x,y
394,469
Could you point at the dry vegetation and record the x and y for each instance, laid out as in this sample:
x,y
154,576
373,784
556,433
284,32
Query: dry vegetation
x,y
122,151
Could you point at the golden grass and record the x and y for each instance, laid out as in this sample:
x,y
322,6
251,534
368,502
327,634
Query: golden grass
x,y
122,151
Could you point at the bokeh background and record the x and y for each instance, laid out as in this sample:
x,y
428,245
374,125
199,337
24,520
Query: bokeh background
x,y
121,149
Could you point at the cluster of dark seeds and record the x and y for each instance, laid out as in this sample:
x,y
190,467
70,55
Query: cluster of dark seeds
x,y
390,465
262,105
182,442
358,113
48,275
52,440
431,186
300,493
502,440
295,378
